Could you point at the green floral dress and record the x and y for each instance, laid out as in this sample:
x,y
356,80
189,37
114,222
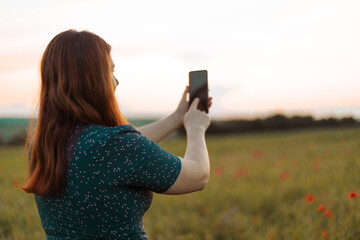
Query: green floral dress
x,y
112,173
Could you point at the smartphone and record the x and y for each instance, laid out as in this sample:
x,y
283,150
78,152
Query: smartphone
x,y
198,88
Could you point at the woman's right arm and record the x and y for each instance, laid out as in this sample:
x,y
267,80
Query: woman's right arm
x,y
195,166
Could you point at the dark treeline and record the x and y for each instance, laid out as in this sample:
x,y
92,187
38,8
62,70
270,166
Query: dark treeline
x,y
276,123
18,138
273,123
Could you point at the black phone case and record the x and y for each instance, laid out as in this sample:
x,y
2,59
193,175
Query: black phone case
x,y
198,84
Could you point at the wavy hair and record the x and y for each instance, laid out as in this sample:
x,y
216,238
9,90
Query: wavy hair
x,y
76,85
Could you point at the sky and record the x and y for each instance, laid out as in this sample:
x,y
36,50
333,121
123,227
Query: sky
x,y
263,57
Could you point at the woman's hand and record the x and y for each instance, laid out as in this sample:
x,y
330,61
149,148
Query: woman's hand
x,y
195,119
183,106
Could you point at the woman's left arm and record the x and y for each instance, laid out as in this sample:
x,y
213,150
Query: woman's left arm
x,y
161,128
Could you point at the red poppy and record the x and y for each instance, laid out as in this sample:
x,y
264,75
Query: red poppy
x,y
324,234
15,184
271,236
204,210
316,168
219,171
321,208
284,175
353,195
30,218
240,172
257,154
310,198
243,171
328,213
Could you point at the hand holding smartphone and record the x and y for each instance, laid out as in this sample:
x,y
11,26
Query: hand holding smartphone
x,y
198,88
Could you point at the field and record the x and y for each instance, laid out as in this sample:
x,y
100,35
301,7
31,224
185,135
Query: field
x,y
260,188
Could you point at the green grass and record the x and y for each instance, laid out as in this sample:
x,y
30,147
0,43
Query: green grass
x,y
256,205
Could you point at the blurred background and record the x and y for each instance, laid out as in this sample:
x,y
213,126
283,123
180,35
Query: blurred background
x,y
284,77
263,57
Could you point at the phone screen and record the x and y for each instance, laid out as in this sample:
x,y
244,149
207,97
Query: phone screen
x,y
198,87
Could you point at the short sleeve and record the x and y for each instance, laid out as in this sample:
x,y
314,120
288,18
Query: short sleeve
x,y
145,164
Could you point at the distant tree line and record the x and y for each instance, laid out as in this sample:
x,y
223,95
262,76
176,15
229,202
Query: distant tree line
x,y
235,126
18,138
275,123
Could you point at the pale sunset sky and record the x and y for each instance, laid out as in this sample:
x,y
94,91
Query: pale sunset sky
x,y
262,57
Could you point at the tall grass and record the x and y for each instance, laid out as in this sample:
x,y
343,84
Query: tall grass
x,y
256,190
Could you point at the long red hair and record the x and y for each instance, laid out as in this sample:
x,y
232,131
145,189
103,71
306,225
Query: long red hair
x,y
76,85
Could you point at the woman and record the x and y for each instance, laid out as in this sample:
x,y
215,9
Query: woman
x,y
92,173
